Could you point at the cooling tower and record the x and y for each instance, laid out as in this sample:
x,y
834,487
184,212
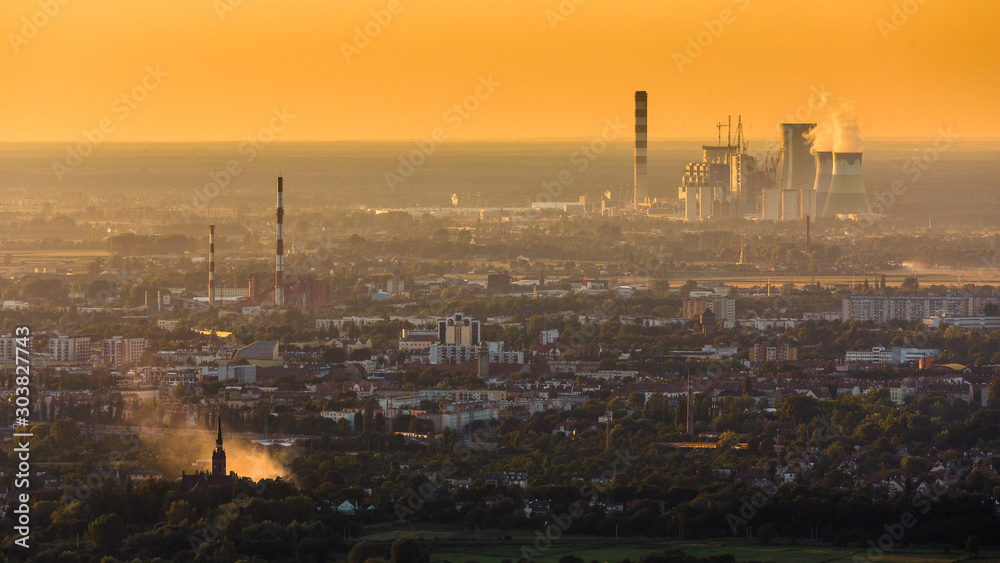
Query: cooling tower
x,y
641,194
798,167
824,172
847,187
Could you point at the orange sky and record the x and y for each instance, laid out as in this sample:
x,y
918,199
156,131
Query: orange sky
x,y
226,74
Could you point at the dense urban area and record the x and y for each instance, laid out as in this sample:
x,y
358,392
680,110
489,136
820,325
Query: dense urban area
x,y
425,385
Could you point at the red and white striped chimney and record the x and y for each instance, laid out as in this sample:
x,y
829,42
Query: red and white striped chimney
x,y
279,269
641,194
211,265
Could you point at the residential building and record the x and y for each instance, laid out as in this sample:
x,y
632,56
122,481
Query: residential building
x,y
454,354
548,336
884,308
119,351
772,351
723,307
896,355
67,349
9,345
459,330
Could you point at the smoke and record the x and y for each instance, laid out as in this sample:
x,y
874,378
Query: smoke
x,y
454,199
820,138
837,130
181,449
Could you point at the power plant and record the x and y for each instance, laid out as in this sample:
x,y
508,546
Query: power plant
x,y
727,183
304,290
806,182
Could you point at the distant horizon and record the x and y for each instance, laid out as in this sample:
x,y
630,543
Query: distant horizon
x,y
623,140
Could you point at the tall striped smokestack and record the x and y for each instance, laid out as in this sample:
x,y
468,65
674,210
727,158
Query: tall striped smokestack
x,y
211,265
279,250
847,187
641,194
824,172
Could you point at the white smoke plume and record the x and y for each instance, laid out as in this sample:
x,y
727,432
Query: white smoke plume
x,y
454,199
837,130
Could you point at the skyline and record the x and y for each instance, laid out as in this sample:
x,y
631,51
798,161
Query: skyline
x,y
530,73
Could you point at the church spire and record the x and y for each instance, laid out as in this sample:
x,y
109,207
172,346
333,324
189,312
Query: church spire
x,y
219,455
218,441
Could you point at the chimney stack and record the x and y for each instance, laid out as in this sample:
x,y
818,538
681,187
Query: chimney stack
x,y
641,194
690,407
211,265
279,270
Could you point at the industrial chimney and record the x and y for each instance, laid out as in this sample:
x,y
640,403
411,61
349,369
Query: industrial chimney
x,y
211,265
279,268
824,172
847,187
798,169
641,194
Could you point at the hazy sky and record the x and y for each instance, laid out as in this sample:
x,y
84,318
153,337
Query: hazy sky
x,y
212,70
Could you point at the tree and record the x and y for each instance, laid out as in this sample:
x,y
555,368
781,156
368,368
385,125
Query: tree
x,y
910,283
180,513
972,545
361,552
66,433
406,550
766,533
106,533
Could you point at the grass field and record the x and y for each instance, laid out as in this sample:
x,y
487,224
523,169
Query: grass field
x,y
461,546
750,552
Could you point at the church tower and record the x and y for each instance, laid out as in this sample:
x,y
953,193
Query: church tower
x,y
219,455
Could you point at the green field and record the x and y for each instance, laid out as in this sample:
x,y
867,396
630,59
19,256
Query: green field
x,y
608,552
460,546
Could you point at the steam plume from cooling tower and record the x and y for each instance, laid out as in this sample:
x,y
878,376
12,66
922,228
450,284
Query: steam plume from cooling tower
x,y
837,131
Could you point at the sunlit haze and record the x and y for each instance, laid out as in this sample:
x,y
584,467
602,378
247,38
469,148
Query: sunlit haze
x,y
561,68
